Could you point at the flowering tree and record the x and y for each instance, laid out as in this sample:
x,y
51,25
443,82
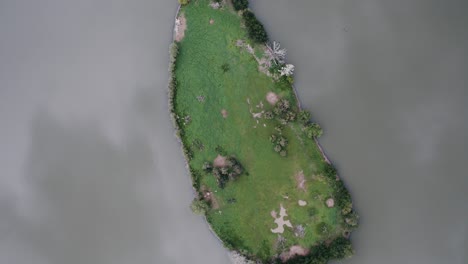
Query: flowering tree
x,y
275,53
287,70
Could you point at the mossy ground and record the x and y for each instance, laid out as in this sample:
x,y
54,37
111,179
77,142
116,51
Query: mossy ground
x,y
246,224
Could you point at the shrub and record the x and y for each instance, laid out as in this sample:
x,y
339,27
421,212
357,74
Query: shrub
x,y
199,207
275,68
282,141
312,211
268,115
183,2
231,171
255,28
283,153
352,220
196,178
273,138
220,151
240,4
279,128
278,148
207,167
225,67
323,228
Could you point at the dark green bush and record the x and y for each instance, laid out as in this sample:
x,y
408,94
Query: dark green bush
x,y
339,248
240,4
231,171
196,178
255,28
329,171
225,67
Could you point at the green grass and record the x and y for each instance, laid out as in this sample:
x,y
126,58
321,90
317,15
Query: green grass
x,y
245,224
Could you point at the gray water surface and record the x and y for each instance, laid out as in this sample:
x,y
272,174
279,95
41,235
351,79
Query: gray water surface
x,y
91,172
388,82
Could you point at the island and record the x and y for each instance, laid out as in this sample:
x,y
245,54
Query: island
x,y
260,177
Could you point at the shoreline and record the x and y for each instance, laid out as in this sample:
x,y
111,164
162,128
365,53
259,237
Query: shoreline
x,y
181,144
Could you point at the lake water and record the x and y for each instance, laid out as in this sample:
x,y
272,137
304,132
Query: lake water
x,y
91,172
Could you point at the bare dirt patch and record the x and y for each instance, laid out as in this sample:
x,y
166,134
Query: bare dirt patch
x,y
293,251
274,214
219,161
300,181
211,21
280,221
330,202
209,196
224,113
272,98
302,203
180,27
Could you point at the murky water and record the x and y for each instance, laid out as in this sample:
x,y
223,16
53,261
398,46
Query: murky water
x,y
90,169
387,80
91,172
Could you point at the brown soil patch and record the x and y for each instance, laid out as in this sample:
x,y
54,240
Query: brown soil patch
x,y
293,251
209,196
300,181
224,113
180,27
272,98
219,161
211,21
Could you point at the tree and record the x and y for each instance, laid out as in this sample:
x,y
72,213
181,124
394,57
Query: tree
x,y
287,70
329,171
199,207
340,248
313,130
304,116
255,29
240,4
275,53
207,166
352,220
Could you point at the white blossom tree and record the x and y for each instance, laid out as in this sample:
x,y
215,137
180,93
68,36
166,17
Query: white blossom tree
x,y
275,53
287,70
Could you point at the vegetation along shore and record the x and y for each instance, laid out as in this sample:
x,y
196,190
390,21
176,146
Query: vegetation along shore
x,y
259,174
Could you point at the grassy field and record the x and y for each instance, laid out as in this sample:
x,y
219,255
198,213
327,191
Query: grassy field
x,y
242,216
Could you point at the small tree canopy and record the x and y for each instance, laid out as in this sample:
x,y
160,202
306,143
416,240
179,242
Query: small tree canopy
x,y
199,207
240,4
304,116
255,28
313,130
